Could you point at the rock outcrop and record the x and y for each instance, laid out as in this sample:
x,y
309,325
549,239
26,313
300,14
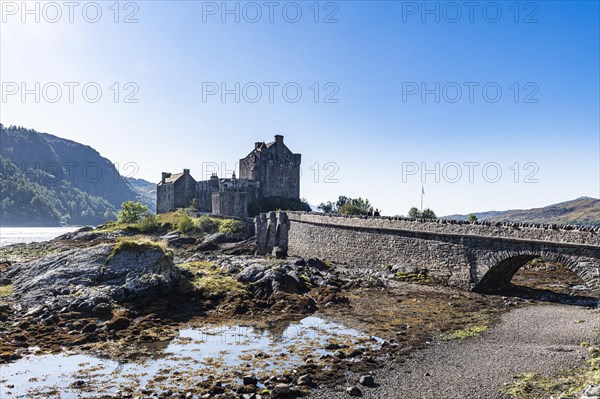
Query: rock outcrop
x,y
90,279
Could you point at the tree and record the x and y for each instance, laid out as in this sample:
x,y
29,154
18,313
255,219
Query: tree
x,y
351,209
132,212
414,213
361,203
342,200
428,214
471,217
327,207
347,206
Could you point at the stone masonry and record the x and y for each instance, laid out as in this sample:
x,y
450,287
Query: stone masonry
x,y
272,231
479,256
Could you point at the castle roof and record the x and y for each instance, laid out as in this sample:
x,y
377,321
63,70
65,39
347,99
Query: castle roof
x,y
174,177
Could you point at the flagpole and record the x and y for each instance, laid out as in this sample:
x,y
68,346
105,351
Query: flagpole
x,y
422,192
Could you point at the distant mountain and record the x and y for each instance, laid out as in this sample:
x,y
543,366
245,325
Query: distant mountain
x,y
146,192
582,210
48,180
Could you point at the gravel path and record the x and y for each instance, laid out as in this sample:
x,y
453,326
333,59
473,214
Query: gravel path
x,y
542,338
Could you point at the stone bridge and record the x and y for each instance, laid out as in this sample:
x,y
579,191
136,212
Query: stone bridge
x,y
481,256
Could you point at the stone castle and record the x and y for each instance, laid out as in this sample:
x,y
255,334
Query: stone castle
x,y
270,170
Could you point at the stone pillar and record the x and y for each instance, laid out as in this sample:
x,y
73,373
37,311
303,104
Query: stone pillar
x,y
260,226
272,231
283,228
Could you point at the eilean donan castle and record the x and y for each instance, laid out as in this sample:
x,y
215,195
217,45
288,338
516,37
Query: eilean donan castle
x,y
270,170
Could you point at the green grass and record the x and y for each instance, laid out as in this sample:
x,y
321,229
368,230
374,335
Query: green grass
x,y
139,245
211,280
468,332
230,226
6,290
413,277
179,221
567,384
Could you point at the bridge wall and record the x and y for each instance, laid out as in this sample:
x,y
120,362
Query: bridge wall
x,y
458,254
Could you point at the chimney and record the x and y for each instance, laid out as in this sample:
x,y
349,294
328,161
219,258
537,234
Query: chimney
x,y
279,139
186,171
164,176
257,145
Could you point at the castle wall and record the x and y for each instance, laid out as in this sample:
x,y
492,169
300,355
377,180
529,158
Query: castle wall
x,y
184,191
165,200
204,192
230,203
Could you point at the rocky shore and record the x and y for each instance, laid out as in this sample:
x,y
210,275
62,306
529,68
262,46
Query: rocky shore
x,y
126,296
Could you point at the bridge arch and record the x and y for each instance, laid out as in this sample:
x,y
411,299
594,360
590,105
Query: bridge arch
x,y
499,275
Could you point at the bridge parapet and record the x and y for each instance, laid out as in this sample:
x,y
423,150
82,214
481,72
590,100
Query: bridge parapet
x,y
551,233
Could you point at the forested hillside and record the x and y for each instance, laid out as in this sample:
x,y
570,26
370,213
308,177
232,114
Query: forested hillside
x,y
47,180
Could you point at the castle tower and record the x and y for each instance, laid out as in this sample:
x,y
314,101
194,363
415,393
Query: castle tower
x,y
275,167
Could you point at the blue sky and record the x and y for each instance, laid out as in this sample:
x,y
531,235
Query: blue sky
x,y
369,141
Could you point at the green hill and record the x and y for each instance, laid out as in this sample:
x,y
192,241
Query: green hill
x,y
47,180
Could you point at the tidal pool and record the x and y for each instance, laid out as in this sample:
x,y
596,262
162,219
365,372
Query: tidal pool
x,y
225,352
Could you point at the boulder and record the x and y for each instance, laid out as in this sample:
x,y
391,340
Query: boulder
x,y
249,380
316,263
181,241
304,380
87,280
220,238
252,273
367,380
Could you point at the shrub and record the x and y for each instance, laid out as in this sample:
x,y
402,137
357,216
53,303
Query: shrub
x,y
132,212
185,224
231,226
148,224
206,224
